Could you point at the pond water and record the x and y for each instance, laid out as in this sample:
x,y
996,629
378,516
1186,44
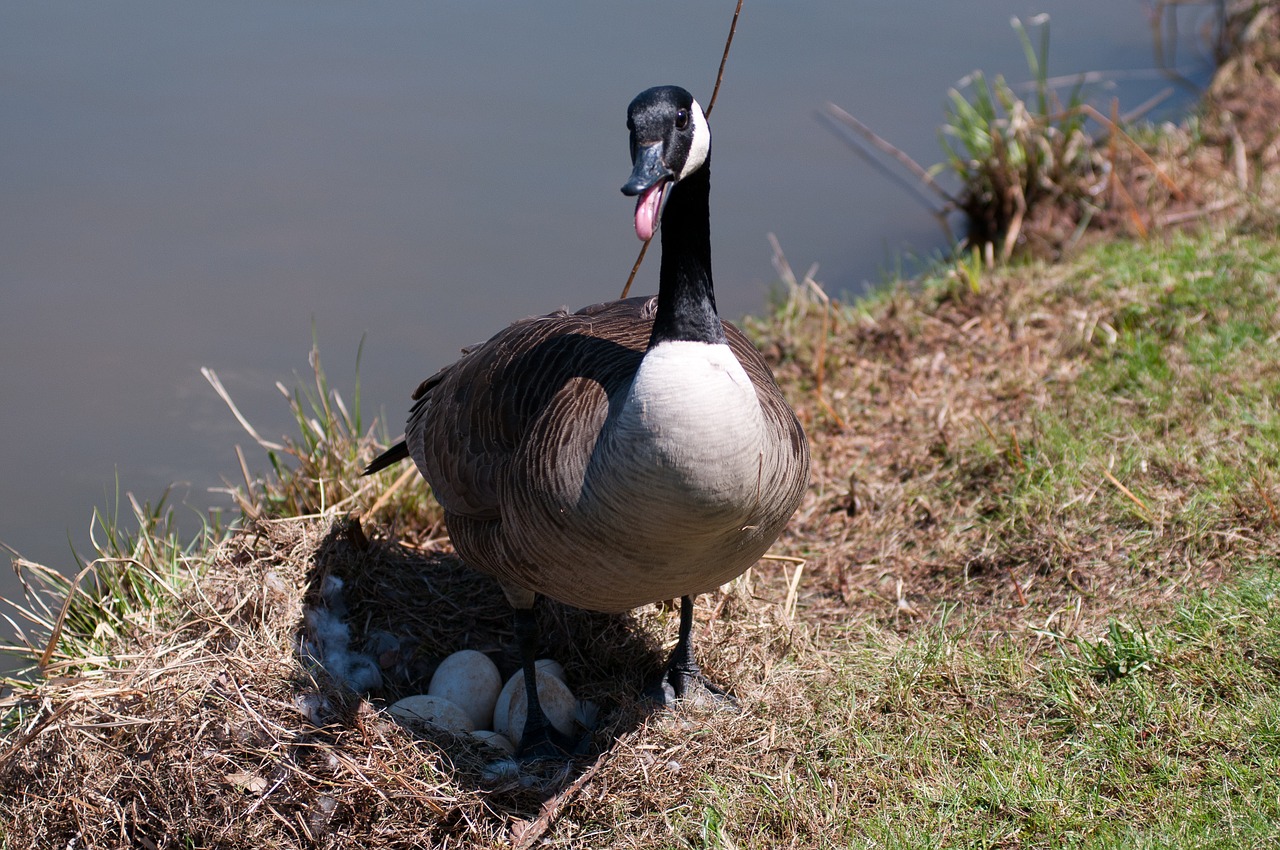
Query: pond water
x,y
186,185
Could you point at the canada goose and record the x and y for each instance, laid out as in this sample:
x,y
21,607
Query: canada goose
x,y
632,452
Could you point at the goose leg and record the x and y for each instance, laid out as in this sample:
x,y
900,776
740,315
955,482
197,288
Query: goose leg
x,y
539,740
684,679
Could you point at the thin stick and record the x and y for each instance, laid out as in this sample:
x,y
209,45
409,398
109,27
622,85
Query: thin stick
x,y
1123,489
715,92
836,116
386,494
532,831
733,27
635,267
1017,588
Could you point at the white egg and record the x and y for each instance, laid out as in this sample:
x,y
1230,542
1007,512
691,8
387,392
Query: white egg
x,y
501,743
551,667
544,666
438,711
471,681
557,701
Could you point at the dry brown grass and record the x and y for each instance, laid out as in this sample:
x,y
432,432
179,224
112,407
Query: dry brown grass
x,y
212,732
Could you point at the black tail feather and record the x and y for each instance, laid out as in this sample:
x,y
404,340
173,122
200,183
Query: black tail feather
x,y
393,455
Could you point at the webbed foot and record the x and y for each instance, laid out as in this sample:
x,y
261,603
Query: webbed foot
x,y
690,686
683,680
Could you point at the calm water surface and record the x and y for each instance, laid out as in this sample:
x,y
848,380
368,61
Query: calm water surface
x,y
198,184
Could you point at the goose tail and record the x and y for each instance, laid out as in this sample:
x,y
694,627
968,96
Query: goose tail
x,y
393,455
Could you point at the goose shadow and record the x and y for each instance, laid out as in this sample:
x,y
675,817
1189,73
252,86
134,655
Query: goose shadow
x,y
401,611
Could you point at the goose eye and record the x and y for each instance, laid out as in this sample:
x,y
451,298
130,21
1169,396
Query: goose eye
x,y
682,119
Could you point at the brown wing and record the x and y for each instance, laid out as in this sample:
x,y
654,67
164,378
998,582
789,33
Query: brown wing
x,y
470,418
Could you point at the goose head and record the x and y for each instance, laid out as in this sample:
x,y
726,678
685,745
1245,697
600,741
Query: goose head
x,y
670,140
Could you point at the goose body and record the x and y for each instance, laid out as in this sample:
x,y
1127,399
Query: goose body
x,y
573,464
630,452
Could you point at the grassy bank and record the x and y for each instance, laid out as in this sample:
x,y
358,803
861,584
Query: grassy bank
x,y
1030,600
1037,606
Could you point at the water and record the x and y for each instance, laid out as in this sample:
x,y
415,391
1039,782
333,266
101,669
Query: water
x,y
188,185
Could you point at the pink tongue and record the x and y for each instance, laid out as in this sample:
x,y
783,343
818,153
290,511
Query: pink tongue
x,y
647,206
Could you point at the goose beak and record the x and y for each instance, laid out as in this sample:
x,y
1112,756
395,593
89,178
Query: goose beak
x,y
650,178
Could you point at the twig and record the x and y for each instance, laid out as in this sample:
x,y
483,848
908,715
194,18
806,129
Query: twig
x,y
1017,588
715,92
635,267
724,57
212,377
396,485
524,837
835,114
1125,490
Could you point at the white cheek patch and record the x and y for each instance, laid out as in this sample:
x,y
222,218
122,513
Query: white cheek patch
x,y
701,144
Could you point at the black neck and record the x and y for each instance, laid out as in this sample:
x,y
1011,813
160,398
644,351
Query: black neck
x,y
686,298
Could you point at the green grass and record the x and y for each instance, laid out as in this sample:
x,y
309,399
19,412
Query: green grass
x,y
1177,399
78,623
1159,736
